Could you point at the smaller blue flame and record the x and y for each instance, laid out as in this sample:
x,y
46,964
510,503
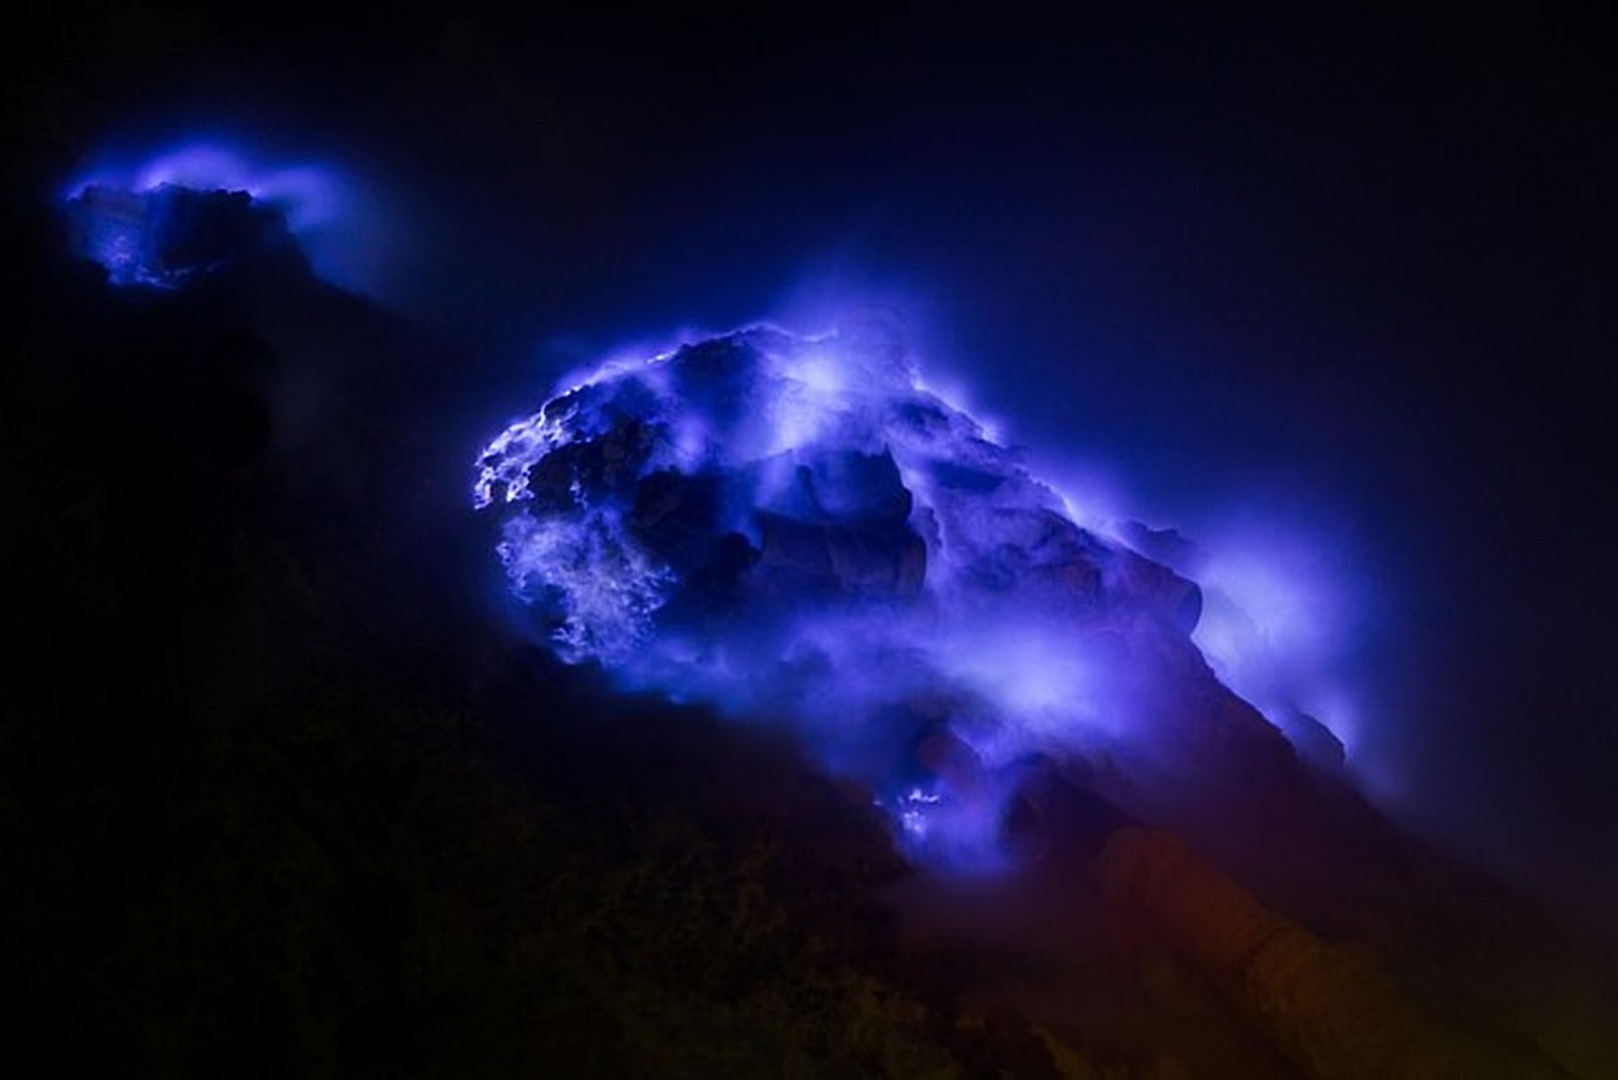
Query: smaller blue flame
x,y
164,217
170,235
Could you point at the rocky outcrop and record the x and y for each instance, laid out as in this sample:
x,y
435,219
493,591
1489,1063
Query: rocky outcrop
x,y
1329,1008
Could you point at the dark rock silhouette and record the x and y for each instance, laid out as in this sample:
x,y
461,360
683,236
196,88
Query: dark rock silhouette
x,y
170,234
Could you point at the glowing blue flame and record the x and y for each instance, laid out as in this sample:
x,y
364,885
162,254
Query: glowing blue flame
x,y
795,528
171,235
310,196
125,203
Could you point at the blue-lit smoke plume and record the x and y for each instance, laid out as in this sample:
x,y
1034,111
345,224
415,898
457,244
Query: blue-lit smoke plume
x,y
793,528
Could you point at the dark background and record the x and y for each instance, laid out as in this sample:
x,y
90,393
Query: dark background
x,y
1353,272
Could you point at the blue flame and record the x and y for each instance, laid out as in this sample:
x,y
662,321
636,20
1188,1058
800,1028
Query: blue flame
x,y
797,528
127,205
309,195
171,235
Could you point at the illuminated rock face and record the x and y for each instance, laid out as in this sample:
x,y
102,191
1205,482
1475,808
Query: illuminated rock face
x,y
795,528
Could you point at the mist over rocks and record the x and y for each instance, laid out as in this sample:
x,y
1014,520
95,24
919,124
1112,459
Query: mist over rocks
x,y
795,527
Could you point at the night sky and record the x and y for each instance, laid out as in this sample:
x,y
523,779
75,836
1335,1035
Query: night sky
x,y
1344,277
